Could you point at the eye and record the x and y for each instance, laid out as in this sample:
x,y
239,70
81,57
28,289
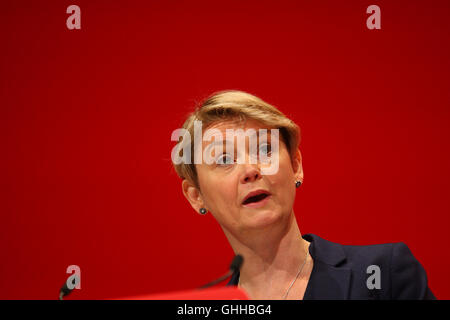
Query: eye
x,y
225,159
265,149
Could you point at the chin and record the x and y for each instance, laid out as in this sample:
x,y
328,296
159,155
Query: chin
x,y
262,218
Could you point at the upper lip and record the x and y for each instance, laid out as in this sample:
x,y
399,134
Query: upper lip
x,y
255,193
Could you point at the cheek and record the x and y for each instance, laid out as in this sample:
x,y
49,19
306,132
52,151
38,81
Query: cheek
x,y
222,202
224,193
284,182
220,192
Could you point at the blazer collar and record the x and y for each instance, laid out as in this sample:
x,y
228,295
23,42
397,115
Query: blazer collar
x,y
329,280
325,251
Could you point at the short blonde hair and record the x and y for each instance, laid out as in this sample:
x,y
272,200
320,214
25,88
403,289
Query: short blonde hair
x,y
235,105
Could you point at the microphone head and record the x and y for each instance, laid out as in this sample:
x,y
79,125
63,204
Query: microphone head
x,y
65,290
236,263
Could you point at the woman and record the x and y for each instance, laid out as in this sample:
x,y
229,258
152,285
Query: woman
x,y
255,210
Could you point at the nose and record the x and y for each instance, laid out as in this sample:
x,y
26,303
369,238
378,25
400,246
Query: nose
x,y
251,173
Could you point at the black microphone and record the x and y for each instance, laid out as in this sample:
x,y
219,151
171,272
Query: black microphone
x,y
64,291
236,264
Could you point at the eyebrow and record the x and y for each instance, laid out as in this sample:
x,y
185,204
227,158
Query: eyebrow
x,y
222,142
214,143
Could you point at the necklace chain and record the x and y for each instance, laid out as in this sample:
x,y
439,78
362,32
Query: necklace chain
x,y
293,281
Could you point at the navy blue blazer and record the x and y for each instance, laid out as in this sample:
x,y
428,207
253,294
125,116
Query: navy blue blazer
x,y
340,272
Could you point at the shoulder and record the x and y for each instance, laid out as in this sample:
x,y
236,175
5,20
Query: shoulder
x,y
388,270
360,255
406,277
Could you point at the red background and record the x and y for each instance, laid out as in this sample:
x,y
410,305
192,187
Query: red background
x,y
86,118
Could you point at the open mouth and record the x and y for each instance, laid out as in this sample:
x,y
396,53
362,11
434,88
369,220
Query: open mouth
x,y
255,197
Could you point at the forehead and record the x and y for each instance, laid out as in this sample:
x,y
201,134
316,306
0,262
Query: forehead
x,y
238,128
237,124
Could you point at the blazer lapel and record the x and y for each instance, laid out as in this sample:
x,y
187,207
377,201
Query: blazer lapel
x,y
328,283
329,280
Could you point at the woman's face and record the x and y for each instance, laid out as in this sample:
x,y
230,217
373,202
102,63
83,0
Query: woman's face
x,y
238,195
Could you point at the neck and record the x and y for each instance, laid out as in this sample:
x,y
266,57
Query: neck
x,y
269,262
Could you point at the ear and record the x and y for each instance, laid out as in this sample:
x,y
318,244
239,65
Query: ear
x,y
297,165
192,194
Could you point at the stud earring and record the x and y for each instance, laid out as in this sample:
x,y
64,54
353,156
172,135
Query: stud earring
x,y
203,211
298,183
